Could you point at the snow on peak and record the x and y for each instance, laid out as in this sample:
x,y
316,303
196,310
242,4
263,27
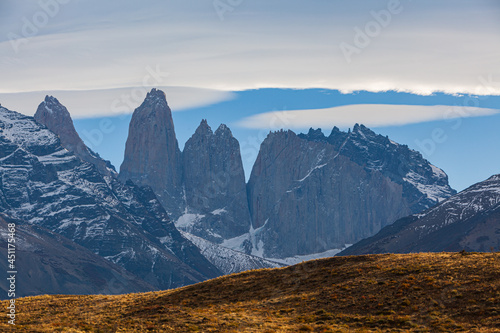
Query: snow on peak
x,y
188,220
156,95
24,131
48,108
437,171
435,192
219,211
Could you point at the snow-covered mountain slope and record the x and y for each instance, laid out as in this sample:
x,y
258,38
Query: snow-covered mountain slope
x,y
469,220
45,185
253,244
48,263
227,260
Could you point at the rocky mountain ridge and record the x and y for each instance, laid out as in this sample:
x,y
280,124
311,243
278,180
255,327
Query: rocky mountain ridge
x,y
45,185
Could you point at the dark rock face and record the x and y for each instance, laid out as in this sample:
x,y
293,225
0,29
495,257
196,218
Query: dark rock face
x,y
203,188
424,184
152,155
311,193
47,186
214,182
469,220
48,263
56,117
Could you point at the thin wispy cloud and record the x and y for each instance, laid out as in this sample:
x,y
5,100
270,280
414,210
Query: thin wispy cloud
x,y
371,115
113,102
449,46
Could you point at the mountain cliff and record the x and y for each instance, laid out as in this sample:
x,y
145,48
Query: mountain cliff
x,y
310,193
152,156
214,182
467,221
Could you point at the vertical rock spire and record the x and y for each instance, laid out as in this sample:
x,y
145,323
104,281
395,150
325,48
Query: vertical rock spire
x,y
152,155
215,184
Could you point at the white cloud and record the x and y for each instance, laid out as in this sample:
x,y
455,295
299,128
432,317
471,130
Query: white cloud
x,y
449,46
112,102
371,115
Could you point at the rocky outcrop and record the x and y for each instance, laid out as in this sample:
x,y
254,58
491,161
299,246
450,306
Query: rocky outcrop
x,y
152,155
311,193
214,182
46,185
469,220
56,117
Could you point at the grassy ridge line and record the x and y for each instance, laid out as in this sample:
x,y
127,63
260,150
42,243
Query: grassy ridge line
x,y
401,292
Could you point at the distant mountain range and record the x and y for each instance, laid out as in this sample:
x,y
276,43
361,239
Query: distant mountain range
x,y
306,194
172,218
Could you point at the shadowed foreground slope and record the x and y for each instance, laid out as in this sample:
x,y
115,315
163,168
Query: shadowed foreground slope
x,y
404,292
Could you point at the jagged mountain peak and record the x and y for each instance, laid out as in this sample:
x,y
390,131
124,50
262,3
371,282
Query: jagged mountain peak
x,y
49,99
51,109
203,128
156,94
316,135
155,104
396,161
223,130
56,117
365,133
282,133
306,177
54,108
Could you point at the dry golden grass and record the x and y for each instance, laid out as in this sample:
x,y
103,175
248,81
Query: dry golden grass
x,y
399,293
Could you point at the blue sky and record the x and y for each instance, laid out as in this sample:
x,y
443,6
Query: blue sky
x,y
426,73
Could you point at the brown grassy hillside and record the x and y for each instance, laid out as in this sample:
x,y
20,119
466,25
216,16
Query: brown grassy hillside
x,y
415,292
